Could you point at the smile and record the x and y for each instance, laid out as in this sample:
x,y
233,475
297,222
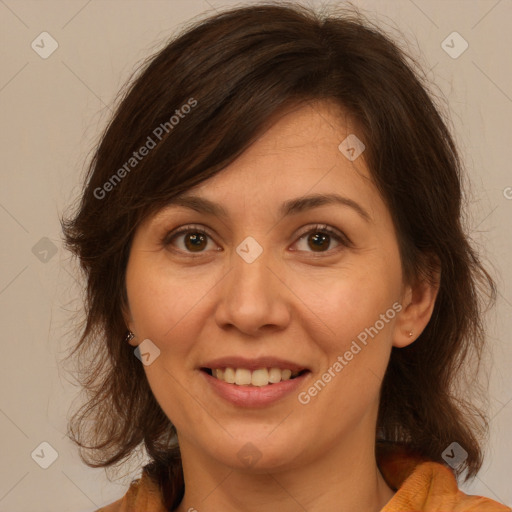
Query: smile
x,y
258,378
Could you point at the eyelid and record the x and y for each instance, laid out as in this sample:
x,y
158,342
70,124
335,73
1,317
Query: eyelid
x,y
336,233
192,228
340,237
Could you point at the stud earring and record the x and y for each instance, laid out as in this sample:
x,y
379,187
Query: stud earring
x,y
410,334
129,337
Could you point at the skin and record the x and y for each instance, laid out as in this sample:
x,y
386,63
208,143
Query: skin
x,y
296,302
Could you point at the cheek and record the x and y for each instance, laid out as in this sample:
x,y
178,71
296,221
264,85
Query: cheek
x,y
165,309
347,302
357,318
159,299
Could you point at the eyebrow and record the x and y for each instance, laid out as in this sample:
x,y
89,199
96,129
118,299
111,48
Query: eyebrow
x,y
290,207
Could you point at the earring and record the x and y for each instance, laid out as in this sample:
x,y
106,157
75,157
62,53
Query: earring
x,y
129,337
410,334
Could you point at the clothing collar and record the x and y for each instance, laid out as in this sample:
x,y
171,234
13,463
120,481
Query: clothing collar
x,y
420,485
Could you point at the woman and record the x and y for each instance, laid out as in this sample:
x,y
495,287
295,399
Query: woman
x,y
279,289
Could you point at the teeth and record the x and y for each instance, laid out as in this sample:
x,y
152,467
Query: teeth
x,y
229,375
259,378
242,377
274,375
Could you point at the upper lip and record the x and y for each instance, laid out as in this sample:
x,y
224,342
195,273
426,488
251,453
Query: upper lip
x,y
253,364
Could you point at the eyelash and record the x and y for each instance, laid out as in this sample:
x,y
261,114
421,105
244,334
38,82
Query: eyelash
x,y
338,236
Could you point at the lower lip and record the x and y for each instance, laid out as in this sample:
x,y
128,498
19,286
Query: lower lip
x,y
254,396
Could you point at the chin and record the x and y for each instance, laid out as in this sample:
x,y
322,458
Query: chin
x,y
256,454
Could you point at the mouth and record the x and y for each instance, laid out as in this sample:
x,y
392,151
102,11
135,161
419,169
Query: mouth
x,y
254,378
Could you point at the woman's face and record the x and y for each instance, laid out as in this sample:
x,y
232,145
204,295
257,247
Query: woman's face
x,y
278,281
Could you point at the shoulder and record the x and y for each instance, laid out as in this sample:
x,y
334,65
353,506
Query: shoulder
x,y
433,486
125,503
444,491
113,507
425,485
143,495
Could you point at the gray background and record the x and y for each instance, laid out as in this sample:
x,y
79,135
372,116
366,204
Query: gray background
x,y
52,111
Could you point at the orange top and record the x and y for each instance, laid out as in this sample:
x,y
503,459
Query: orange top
x,y
421,486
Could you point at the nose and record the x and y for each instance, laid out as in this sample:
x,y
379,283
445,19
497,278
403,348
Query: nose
x,y
253,298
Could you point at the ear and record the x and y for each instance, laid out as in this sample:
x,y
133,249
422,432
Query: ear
x,y
418,301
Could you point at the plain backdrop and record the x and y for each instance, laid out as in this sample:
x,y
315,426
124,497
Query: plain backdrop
x,y
52,111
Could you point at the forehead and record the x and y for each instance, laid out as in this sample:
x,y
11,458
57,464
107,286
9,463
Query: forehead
x,y
316,127
298,154
303,150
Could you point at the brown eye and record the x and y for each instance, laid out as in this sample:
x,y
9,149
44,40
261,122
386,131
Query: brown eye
x,y
195,241
320,240
189,240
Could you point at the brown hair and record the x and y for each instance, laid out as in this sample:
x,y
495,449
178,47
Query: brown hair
x,y
241,67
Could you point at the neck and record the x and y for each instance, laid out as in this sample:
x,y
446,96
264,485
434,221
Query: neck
x,y
345,479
